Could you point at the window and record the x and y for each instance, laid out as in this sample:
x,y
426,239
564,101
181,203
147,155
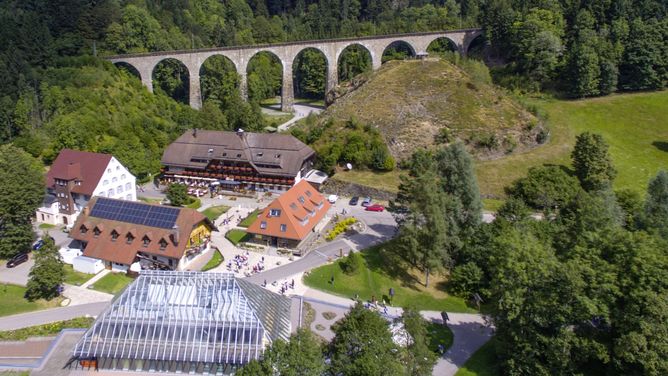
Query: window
x,y
127,186
77,182
284,228
118,168
277,156
128,197
114,235
224,154
109,170
210,151
275,213
123,177
105,182
238,155
114,179
163,244
263,225
83,229
110,192
293,206
308,193
119,189
301,199
96,232
129,238
146,241
260,154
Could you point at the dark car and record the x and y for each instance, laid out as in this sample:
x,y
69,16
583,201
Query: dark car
x,y
40,243
354,201
17,260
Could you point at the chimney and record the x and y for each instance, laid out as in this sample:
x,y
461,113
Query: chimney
x,y
195,132
85,211
175,235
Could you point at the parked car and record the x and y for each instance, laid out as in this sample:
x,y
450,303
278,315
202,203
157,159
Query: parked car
x,y
38,244
332,198
366,201
375,207
354,201
17,260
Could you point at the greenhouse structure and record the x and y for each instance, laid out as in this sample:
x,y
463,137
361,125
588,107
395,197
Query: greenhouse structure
x,y
185,322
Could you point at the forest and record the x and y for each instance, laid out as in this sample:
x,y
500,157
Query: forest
x,y
54,84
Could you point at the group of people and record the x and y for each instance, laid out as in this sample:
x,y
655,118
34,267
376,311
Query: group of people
x,y
239,262
284,286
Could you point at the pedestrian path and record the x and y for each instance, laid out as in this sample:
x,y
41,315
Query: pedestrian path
x,y
96,278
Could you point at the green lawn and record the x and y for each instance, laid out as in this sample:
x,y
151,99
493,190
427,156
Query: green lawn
x,y
278,119
216,260
251,218
237,236
46,329
75,278
482,363
214,212
195,203
13,302
381,271
310,101
112,283
46,226
634,125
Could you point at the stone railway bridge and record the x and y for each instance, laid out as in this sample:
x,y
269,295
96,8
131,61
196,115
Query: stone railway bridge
x,y
145,63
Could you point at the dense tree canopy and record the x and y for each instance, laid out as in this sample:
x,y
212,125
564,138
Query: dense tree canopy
x,y
21,192
47,274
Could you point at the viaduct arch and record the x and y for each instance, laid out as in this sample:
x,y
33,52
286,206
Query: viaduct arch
x,y
287,52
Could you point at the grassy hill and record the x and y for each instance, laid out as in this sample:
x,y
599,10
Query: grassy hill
x,y
412,103
634,125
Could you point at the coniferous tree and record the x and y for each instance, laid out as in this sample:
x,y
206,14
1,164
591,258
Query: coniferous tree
x,y
656,204
419,360
592,163
177,194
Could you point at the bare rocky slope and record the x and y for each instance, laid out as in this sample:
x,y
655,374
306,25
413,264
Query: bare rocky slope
x,y
421,103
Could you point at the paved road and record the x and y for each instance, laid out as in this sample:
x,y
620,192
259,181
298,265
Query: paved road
x,y
301,111
24,320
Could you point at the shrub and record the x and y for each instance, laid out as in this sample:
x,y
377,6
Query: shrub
x,y
352,264
340,228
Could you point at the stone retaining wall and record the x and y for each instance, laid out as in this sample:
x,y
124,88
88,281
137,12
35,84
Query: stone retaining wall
x,y
342,188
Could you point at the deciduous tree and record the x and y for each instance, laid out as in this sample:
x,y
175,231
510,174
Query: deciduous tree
x,y
177,194
592,163
47,275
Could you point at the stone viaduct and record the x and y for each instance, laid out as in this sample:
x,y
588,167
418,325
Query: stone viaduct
x,y
145,63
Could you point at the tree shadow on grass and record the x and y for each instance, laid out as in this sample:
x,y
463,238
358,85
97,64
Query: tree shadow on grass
x,y
661,145
382,259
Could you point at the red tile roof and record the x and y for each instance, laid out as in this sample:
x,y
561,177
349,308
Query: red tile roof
x,y
299,203
85,166
104,248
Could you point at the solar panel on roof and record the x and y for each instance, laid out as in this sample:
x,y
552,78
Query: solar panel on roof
x,y
134,212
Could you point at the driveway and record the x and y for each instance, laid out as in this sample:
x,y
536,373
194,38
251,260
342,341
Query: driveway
x,y
17,275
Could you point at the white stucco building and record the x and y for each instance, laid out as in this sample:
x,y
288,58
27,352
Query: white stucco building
x,y
75,177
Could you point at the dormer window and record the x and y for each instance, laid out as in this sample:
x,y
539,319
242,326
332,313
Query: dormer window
x,y
277,156
301,199
238,155
210,151
260,154
129,238
96,232
308,193
293,206
263,225
146,240
83,229
284,228
163,244
114,235
274,212
224,154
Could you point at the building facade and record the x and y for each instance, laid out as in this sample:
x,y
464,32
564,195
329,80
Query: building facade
x,y
77,176
288,220
236,161
145,236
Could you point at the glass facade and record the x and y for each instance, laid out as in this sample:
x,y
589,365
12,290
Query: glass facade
x,y
185,322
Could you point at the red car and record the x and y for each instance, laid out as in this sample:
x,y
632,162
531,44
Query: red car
x,y
375,207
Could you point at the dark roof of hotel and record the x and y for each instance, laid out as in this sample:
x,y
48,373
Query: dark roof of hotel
x,y
284,152
81,165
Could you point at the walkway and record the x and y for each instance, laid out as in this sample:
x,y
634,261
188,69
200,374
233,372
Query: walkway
x,y
25,320
301,111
